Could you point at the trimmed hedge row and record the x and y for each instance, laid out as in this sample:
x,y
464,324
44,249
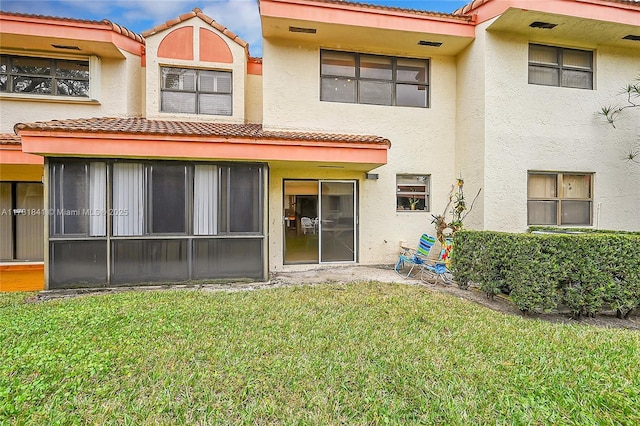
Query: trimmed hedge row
x,y
587,273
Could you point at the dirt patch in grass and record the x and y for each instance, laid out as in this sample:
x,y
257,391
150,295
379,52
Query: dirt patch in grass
x,y
358,273
500,303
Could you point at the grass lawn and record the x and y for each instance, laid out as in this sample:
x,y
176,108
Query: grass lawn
x,y
364,353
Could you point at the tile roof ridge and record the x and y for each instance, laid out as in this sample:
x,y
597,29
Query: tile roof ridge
x,y
113,26
473,5
197,12
10,139
422,12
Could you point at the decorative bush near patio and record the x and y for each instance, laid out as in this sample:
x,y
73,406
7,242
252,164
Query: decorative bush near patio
x,y
584,272
329,354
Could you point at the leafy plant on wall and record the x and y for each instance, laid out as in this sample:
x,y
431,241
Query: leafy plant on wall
x,y
613,113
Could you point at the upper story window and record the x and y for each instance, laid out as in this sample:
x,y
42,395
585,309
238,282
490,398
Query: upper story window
x,y
558,66
194,91
376,80
44,76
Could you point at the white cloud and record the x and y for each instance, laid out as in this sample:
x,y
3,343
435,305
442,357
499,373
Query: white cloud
x,y
241,17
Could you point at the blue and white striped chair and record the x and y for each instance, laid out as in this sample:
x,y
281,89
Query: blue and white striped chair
x,y
410,258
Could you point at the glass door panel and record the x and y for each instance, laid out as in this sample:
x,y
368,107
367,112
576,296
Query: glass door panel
x,y
337,221
300,221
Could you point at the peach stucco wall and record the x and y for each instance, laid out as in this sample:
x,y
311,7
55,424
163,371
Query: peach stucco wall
x,y
422,142
213,48
177,44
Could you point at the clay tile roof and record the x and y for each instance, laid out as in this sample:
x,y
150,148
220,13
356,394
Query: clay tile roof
x,y
197,12
9,139
105,22
142,126
397,9
470,7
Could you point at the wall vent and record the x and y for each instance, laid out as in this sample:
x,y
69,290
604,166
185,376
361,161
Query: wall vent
x,y
63,46
430,43
542,25
302,30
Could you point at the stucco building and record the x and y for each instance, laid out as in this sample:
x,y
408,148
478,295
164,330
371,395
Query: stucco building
x,y
174,155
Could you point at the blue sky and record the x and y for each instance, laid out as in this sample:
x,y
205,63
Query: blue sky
x,y
240,16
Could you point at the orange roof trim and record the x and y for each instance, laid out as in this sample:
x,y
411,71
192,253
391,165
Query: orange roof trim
x,y
82,22
142,138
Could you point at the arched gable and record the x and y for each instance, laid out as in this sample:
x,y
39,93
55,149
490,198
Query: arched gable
x,y
213,48
178,44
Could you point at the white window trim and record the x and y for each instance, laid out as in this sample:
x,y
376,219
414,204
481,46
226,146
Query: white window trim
x,y
197,115
94,80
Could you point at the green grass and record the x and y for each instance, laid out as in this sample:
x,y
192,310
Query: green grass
x,y
365,353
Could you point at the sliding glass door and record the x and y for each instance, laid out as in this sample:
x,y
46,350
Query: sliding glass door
x,y
319,219
337,221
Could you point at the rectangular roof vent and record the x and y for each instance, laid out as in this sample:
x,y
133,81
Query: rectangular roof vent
x,y
430,43
632,37
543,25
64,46
302,30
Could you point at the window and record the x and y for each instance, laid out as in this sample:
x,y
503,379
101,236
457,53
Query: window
x,y
375,80
79,199
149,199
21,221
44,76
412,192
153,199
193,91
170,221
560,198
557,66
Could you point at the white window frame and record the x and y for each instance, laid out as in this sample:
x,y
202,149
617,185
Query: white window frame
x,y
197,90
93,95
409,192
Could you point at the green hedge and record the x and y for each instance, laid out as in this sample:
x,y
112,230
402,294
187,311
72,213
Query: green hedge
x,y
584,272
573,230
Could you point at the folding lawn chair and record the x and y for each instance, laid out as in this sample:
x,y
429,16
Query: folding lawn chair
x,y
436,270
410,258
